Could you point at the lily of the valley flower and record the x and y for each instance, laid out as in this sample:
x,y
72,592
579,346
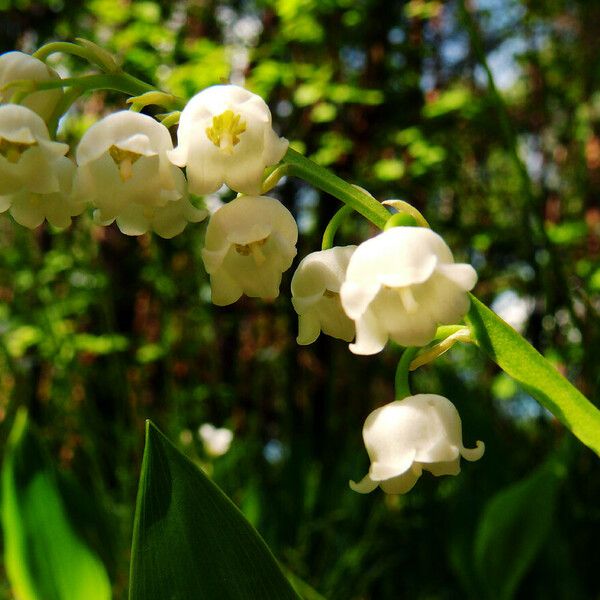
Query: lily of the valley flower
x,y
316,295
216,440
406,437
249,242
225,136
402,284
125,172
17,66
35,175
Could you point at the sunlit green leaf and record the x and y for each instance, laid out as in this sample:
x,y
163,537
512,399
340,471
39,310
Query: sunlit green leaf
x,y
45,557
535,374
190,540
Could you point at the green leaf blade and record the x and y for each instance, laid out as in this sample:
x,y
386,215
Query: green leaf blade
x,y
514,526
190,540
535,374
45,558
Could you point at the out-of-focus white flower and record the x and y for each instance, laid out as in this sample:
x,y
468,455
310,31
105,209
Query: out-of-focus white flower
x,y
35,176
16,66
402,284
225,136
316,295
216,441
124,171
249,242
405,437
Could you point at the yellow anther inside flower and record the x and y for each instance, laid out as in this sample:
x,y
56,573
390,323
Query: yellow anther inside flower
x,y
226,130
124,159
12,150
330,294
253,248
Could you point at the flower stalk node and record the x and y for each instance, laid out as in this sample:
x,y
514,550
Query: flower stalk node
x,y
462,335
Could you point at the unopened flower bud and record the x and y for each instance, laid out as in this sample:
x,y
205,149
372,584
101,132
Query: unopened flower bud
x,y
17,66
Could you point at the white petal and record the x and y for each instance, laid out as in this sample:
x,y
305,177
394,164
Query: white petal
x,y
15,66
127,130
401,484
356,297
309,329
472,454
224,289
370,336
463,275
27,209
364,486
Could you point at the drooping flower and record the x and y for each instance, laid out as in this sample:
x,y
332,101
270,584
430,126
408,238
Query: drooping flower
x,y
402,284
406,437
316,295
216,440
225,136
35,176
124,171
249,243
17,66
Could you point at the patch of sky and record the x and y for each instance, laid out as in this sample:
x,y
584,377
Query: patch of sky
x,y
523,408
353,59
306,201
530,151
514,309
273,452
396,35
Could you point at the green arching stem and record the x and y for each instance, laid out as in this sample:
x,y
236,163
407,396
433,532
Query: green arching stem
x,y
120,82
170,119
156,98
67,48
400,220
274,177
334,225
402,386
62,107
321,178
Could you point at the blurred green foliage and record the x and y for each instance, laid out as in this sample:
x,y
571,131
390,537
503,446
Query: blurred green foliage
x,y
100,331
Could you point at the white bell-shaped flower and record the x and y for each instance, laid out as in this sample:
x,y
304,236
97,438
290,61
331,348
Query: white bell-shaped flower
x,y
17,66
216,440
405,437
35,176
124,171
402,284
249,243
316,295
225,135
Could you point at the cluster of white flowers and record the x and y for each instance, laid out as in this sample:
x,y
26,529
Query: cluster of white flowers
x,y
127,170
400,285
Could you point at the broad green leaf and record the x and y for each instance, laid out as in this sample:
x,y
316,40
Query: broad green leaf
x,y
190,540
538,377
45,558
513,527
